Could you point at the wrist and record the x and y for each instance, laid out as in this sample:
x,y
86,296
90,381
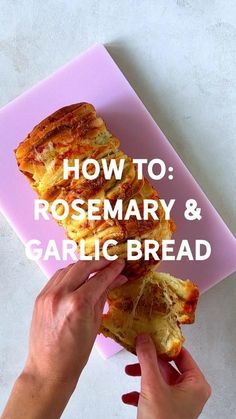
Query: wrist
x,y
51,382
40,397
35,397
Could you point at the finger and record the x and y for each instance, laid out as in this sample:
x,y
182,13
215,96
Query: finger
x,y
56,278
60,275
151,375
80,272
100,283
119,280
168,372
131,398
186,363
134,370
100,304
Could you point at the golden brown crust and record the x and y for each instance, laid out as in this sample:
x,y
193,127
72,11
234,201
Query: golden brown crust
x,y
156,304
75,132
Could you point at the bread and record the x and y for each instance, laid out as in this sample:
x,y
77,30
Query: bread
x,y
75,132
152,302
157,304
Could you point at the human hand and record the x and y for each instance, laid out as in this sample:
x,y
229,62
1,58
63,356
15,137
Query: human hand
x,y
66,320
67,317
165,392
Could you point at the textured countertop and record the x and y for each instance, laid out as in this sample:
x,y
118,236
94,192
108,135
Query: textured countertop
x,y
180,56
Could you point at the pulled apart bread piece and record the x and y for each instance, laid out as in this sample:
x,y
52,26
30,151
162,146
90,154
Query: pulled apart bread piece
x,y
76,132
156,304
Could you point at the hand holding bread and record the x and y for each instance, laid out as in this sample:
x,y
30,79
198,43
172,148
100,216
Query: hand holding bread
x,y
150,302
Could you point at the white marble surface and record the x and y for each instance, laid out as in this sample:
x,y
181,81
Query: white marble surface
x,y
180,56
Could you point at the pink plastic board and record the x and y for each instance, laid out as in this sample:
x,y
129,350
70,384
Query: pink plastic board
x,y
95,78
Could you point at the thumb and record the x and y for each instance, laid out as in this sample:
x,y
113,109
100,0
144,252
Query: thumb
x,y
150,371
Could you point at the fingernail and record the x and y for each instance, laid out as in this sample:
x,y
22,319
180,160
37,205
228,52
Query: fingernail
x,y
143,338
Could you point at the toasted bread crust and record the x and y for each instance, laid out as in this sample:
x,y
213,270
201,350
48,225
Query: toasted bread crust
x,y
75,132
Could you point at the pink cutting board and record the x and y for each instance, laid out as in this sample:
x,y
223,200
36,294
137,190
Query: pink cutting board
x,y
94,77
